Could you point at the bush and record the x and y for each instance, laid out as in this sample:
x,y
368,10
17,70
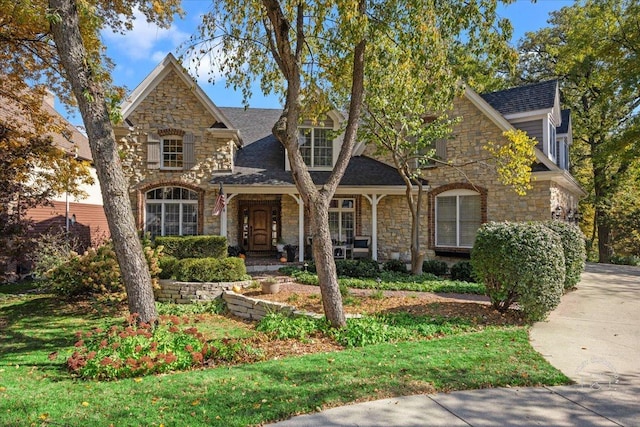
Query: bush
x,y
193,246
463,271
282,327
357,268
51,250
395,265
433,266
167,265
210,270
96,272
573,246
521,262
625,260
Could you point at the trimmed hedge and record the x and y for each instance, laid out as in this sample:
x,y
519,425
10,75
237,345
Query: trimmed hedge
x,y
463,271
193,246
520,262
575,254
433,266
210,270
358,268
396,266
167,266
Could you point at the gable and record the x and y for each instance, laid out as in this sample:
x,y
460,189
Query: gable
x,y
176,86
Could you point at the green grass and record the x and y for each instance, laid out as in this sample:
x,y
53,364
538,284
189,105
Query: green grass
x,y
390,281
35,390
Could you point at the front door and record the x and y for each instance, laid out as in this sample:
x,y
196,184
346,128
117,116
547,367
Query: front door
x,y
259,228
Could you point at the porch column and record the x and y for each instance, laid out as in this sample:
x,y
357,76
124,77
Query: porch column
x,y
223,216
298,199
373,200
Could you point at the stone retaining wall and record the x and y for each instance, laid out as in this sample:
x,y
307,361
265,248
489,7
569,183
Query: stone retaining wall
x,y
254,309
187,292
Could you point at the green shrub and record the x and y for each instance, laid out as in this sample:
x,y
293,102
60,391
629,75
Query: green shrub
x,y
216,306
395,265
462,270
520,262
573,246
96,272
625,260
282,327
210,270
433,266
167,266
357,268
193,246
50,251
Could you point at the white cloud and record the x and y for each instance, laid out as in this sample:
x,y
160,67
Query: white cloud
x,y
143,39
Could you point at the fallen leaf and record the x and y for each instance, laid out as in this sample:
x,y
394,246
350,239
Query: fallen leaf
x,y
85,403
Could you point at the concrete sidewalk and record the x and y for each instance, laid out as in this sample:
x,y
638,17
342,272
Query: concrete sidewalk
x,y
593,337
543,406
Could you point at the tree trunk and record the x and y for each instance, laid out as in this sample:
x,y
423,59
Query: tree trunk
x,y
289,59
89,93
602,222
417,257
326,266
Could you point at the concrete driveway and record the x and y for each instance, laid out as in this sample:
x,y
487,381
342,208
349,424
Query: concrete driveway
x,y
593,336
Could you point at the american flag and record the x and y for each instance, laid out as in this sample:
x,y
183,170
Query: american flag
x,y
221,201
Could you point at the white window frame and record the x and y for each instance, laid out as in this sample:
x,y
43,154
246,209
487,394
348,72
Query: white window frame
x,y
164,152
164,202
301,140
340,210
457,194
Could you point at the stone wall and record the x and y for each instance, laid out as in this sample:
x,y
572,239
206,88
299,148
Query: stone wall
x,y
253,309
188,292
172,105
394,227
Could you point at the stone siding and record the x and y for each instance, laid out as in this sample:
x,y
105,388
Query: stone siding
x,y
172,105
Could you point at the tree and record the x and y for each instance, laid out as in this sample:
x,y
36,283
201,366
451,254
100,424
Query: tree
x,y
407,111
32,169
593,48
315,54
86,77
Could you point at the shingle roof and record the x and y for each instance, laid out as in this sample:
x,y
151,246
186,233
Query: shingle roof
x,y
537,96
261,160
565,116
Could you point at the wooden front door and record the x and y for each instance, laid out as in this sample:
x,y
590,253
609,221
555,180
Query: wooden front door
x,y
259,228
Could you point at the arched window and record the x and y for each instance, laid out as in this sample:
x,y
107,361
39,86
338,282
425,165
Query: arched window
x,y
458,217
171,211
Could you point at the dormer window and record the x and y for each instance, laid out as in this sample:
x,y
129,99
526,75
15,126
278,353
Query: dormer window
x,y
316,147
172,152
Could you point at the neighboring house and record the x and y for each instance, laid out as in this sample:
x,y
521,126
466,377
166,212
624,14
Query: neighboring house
x,y
83,218
180,148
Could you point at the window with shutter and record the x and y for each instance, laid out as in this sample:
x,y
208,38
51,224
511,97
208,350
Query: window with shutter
x,y
172,152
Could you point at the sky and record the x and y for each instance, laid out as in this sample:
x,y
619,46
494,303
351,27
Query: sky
x,y
139,51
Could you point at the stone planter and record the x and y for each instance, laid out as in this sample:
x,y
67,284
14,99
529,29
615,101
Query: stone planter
x,y
270,287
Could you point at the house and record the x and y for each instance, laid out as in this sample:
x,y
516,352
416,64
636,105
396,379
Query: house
x,y
83,218
181,148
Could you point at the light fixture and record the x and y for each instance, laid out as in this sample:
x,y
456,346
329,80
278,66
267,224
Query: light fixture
x,y
306,265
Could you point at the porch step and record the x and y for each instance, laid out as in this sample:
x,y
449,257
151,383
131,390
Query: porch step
x,y
255,267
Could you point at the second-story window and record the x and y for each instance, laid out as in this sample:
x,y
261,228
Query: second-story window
x,y
316,147
172,152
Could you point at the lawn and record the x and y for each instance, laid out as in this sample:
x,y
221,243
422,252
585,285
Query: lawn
x,y
37,335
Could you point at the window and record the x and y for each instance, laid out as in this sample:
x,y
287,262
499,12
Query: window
x,y
342,220
458,217
553,153
172,153
171,211
316,147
